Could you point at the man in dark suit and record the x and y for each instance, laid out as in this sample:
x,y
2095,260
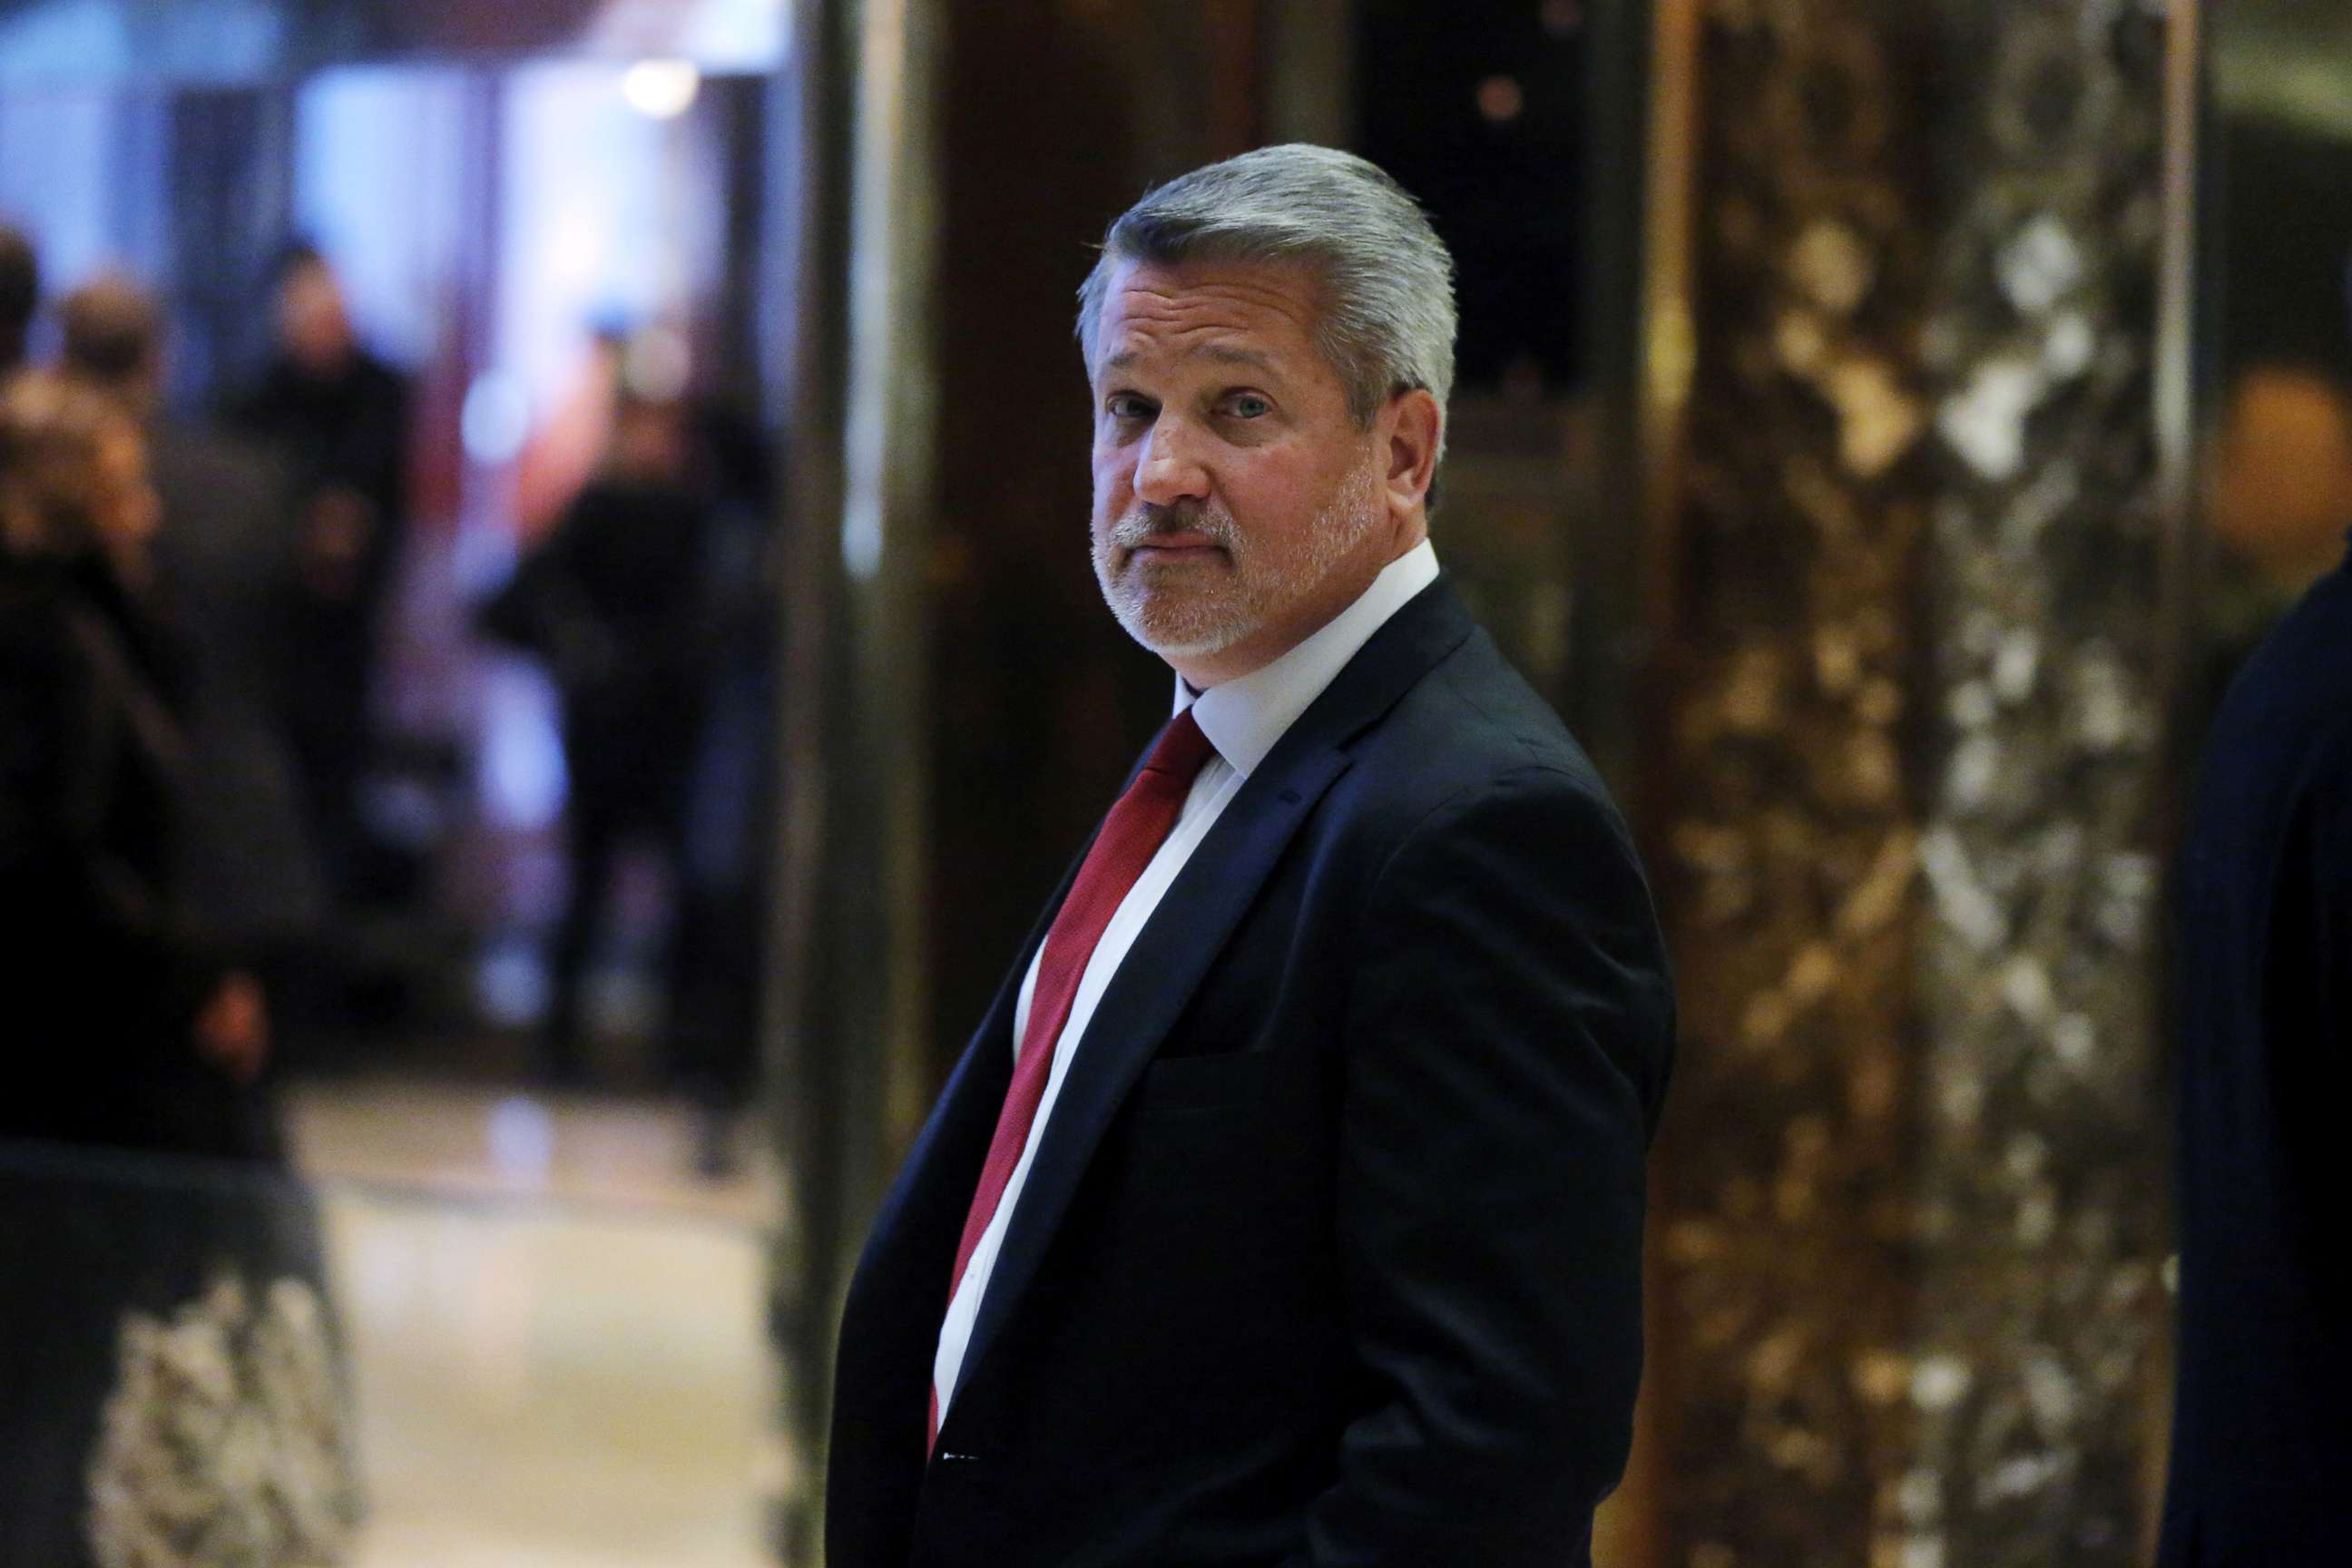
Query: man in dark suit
x,y
2261,1441
1286,1207
338,418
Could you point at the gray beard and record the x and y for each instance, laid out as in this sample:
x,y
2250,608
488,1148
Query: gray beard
x,y
1191,626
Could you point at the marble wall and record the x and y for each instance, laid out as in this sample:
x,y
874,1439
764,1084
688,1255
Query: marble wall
x,y
1912,1232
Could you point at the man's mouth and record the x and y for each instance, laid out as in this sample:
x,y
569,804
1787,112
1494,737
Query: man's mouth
x,y
1173,546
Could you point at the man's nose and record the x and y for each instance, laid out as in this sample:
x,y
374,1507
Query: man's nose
x,y
1167,471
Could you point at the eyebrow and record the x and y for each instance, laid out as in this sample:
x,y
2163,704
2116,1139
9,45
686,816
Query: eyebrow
x,y
1127,358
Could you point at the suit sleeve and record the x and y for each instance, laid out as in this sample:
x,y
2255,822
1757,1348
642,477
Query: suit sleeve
x,y
1506,1048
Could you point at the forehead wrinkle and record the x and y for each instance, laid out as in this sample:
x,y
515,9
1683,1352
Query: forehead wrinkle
x,y
1195,315
1203,319
1146,289
1272,280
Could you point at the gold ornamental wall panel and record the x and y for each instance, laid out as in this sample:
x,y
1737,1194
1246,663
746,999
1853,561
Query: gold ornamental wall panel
x,y
1911,1232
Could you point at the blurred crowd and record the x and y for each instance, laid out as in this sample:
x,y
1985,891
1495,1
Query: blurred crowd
x,y
193,610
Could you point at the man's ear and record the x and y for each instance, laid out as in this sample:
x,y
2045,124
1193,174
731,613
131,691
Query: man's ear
x,y
1410,427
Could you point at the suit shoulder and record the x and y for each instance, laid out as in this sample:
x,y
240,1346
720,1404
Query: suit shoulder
x,y
1472,730
1475,718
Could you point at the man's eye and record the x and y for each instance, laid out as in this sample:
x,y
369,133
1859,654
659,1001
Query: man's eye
x,y
1248,405
1126,405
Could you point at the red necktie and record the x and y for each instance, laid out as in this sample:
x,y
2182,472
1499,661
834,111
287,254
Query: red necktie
x,y
1130,836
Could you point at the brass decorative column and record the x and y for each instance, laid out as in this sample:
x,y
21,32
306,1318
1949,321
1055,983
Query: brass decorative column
x,y
847,1053
1920,338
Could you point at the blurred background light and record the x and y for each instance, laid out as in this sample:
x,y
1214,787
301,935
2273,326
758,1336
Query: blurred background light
x,y
521,1137
1500,98
496,419
658,364
661,90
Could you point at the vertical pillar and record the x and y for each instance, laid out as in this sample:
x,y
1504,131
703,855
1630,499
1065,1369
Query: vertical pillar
x,y
850,1058
943,622
1912,1230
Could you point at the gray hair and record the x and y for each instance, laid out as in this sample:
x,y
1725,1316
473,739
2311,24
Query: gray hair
x,y
1386,318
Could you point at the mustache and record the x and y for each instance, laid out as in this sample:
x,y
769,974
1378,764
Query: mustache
x,y
1148,522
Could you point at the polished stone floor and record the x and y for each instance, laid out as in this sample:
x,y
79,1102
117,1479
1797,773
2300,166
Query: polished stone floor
x,y
556,1328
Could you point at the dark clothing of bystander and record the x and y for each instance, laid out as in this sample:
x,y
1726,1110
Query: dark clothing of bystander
x,y
109,970
227,564
135,1173
344,437
614,602
2262,1431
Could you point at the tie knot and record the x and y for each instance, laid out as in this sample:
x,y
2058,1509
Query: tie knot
x,y
1181,751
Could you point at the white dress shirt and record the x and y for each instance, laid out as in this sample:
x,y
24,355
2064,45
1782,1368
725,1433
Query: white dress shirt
x,y
1242,719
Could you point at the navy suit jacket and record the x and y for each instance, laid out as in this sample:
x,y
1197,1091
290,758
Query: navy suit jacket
x,y
2261,1444
1330,1254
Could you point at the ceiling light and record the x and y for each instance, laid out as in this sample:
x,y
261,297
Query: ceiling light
x,y
661,90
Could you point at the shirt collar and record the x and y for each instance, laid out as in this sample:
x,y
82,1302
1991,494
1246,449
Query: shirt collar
x,y
1243,717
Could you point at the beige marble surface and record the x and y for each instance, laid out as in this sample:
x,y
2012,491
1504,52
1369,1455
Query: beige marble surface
x,y
608,1153
555,1330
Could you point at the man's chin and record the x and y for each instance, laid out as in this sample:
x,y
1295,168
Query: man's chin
x,y
1178,636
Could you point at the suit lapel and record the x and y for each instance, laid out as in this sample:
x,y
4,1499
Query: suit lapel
x,y
919,1221
1192,924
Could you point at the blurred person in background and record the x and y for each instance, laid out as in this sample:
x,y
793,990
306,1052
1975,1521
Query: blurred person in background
x,y
565,449
2261,1440
339,418
141,1174
144,1034
227,574
2278,504
20,296
724,860
614,602
2280,497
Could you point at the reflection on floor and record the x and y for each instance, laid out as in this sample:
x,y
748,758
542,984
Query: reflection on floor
x,y
556,1330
